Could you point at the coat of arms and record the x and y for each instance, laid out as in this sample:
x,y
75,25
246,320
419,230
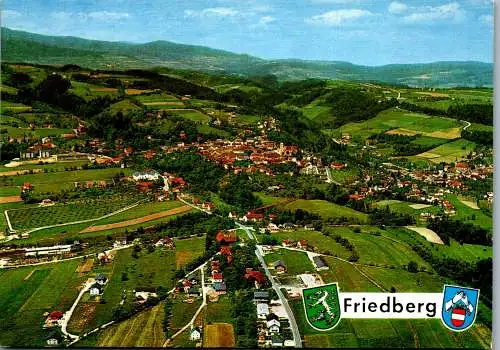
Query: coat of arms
x,y
322,307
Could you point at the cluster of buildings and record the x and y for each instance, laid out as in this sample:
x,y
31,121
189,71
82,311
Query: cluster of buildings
x,y
273,325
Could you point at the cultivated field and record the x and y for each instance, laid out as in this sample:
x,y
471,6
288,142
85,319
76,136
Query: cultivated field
x,y
125,274
141,220
82,209
50,182
27,292
449,152
219,335
142,330
188,249
410,122
326,209
377,249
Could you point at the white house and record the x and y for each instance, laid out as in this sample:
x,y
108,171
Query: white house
x,y
147,175
262,311
145,295
273,326
195,334
95,290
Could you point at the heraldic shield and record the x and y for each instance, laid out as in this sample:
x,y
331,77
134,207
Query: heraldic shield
x,y
322,306
459,307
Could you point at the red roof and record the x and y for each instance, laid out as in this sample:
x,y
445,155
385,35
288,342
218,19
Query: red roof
x,y
217,276
462,165
252,215
356,197
255,275
56,315
228,237
225,250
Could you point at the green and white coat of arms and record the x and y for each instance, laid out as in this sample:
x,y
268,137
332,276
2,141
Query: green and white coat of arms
x,y
322,306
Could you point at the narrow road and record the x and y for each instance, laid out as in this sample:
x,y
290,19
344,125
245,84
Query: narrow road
x,y
203,304
68,314
330,178
293,325
468,124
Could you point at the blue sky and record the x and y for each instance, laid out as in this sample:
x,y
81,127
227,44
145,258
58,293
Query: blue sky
x,y
369,32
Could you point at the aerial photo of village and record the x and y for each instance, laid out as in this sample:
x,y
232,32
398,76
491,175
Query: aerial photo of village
x,y
175,174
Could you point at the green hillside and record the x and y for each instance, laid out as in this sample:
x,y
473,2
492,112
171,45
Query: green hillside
x,y
19,46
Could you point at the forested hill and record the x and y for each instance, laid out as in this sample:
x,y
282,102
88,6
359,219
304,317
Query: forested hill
x,y
19,46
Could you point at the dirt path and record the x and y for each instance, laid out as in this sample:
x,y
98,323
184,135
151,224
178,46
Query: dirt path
x,y
10,199
19,172
147,218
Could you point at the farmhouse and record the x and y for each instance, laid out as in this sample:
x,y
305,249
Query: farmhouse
x,y
220,288
146,175
273,325
195,334
279,266
320,263
101,279
251,216
54,337
96,289
302,244
217,277
255,276
226,237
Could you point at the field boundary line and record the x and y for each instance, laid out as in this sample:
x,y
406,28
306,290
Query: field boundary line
x,y
73,222
136,221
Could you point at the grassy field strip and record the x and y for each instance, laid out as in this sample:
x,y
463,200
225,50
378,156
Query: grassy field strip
x,y
75,222
470,204
138,220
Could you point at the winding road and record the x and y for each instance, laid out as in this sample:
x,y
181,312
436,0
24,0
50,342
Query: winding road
x,y
293,324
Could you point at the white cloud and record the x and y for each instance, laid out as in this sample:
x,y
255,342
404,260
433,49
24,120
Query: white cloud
x,y
486,19
397,7
266,19
107,16
451,11
85,16
10,14
338,17
212,12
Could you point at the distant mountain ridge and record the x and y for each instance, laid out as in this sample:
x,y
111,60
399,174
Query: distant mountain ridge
x,y
20,46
